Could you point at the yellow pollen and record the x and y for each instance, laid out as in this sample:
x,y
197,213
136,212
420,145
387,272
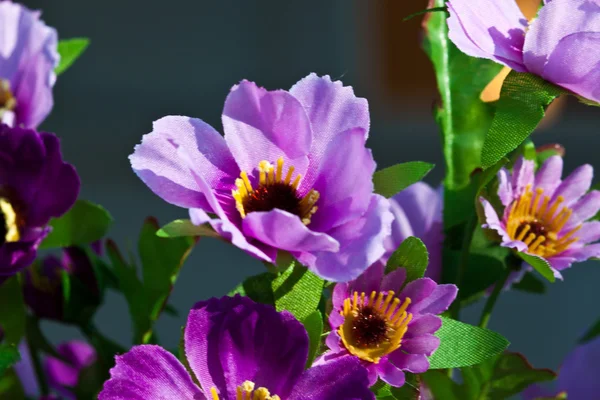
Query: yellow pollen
x,y
374,327
540,227
246,391
10,222
7,100
274,191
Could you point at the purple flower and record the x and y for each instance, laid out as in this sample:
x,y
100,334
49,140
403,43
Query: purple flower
x,y
389,333
28,56
236,349
63,376
578,376
418,212
291,174
546,216
35,185
43,285
562,45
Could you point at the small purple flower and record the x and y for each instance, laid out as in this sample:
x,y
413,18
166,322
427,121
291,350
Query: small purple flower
x,y
35,185
562,45
236,349
43,284
291,174
578,375
28,56
418,212
390,333
63,376
546,216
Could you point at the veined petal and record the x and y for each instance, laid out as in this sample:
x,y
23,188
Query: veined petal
x,y
390,374
548,177
369,281
415,363
587,207
575,185
424,344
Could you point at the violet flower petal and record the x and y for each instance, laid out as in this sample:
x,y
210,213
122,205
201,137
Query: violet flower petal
x,y
437,302
415,363
394,280
549,176
587,207
579,373
424,344
391,374
575,185
369,281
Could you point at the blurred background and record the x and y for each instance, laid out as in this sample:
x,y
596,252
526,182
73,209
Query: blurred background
x,y
155,58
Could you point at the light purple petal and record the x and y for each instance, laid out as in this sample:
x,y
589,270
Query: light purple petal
x,y
417,290
422,205
555,21
488,29
333,341
583,253
523,175
156,160
340,292
548,177
61,375
437,302
560,263
285,231
578,375
425,344
361,242
589,232
390,374
149,373
415,363
423,324
575,185
370,280
394,280
401,227
587,207
345,187
505,190
262,125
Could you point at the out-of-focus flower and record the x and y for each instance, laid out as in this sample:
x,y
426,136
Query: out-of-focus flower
x,y
35,185
389,333
561,45
28,56
546,216
236,349
64,375
291,174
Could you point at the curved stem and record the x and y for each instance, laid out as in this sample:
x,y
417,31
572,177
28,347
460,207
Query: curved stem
x,y
464,262
491,301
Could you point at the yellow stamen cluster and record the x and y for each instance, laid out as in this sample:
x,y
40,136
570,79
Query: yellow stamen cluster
x,y
538,222
272,184
7,101
10,221
389,310
246,391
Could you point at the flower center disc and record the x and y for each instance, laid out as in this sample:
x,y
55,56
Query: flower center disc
x,y
9,231
538,222
246,391
374,327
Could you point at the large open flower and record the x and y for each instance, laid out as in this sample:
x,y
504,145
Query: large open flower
x,y
292,173
35,185
28,56
562,45
237,350
546,216
387,327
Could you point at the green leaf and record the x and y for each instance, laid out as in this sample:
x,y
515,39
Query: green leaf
x,y
463,118
416,14
540,265
314,327
8,356
297,290
84,223
410,390
512,374
184,227
462,345
90,381
411,255
530,284
592,333
70,50
442,386
12,311
382,391
396,178
257,287
522,105
10,385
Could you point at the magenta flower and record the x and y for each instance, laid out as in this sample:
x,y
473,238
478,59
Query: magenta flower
x,y
418,212
28,56
281,179
546,216
389,333
236,349
35,185
63,376
562,45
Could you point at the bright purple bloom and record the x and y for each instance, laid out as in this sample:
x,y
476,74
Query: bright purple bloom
x,y
390,333
291,174
562,45
578,376
546,216
418,212
35,185
43,285
28,56
234,345
63,376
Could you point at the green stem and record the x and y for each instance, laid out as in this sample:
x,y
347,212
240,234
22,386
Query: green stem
x,y
464,262
37,365
491,301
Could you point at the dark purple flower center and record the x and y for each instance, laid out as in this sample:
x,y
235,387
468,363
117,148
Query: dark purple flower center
x,y
536,227
369,328
277,195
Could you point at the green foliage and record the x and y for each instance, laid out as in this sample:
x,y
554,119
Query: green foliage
x,y
396,178
297,290
522,105
463,345
184,227
10,385
592,333
410,390
540,265
70,50
8,356
411,255
84,223
12,317
257,287
530,284
314,327
442,386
